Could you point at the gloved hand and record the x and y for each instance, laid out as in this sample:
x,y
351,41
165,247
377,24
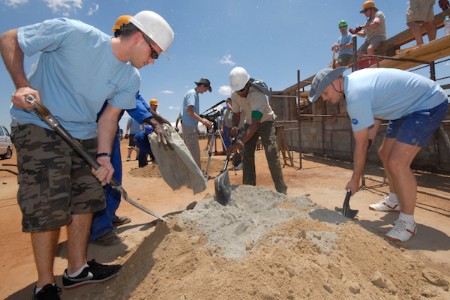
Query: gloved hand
x,y
356,30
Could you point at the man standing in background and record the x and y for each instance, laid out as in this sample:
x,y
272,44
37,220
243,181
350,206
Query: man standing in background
x,y
190,118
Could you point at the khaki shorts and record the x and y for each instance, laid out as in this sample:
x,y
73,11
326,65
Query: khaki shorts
x,y
344,59
375,42
420,11
54,181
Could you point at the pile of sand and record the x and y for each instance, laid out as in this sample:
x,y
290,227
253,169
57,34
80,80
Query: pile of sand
x,y
265,245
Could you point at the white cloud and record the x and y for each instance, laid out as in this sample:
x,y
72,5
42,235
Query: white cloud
x,y
171,107
15,3
64,6
93,9
225,90
227,60
167,92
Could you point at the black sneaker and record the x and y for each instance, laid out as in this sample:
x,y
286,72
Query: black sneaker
x,y
93,274
48,292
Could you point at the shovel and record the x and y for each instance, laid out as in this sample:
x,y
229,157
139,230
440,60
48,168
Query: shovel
x,y
222,185
346,210
50,120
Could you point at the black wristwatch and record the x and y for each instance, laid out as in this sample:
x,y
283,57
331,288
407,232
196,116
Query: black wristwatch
x,y
102,155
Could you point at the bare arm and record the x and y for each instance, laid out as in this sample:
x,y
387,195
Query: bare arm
x,y
159,118
193,114
158,129
375,23
359,158
107,128
248,135
362,33
13,58
236,121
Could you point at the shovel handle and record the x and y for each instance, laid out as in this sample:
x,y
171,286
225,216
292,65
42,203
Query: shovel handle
x,y
50,120
347,196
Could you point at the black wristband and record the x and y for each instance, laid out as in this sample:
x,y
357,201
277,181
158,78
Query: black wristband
x,y
102,154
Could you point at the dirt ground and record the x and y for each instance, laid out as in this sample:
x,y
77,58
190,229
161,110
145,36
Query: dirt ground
x,y
315,253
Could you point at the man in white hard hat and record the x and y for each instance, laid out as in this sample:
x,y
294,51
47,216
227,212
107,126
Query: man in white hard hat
x,y
79,67
414,105
259,122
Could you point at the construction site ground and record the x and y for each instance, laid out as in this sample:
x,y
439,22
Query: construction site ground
x,y
289,261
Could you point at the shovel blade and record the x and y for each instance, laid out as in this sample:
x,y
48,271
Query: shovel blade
x,y
222,188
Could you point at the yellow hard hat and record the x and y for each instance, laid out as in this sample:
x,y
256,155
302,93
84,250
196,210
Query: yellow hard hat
x,y
153,101
368,4
122,20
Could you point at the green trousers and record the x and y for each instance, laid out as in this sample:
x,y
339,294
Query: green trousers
x,y
267,132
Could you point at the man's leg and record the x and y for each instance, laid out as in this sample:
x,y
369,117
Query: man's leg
x,y
44,249
248,161
371,50
190,138
399,166
389,203
77,240
269,140
383,153
416,30
431,30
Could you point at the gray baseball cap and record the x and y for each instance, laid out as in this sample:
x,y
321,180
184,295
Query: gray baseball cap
x,y
322,80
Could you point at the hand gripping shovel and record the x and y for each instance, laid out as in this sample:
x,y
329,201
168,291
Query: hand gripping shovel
x,y
222,185
346,210
50,120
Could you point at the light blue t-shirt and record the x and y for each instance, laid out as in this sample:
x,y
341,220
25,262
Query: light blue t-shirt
x,y
76,72
191,98
134,125
388,94
344,40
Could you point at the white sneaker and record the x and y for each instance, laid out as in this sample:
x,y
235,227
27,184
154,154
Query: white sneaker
x,y
402,231
385,205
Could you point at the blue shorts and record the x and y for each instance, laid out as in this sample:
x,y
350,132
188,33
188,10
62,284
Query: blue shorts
x,y
416,128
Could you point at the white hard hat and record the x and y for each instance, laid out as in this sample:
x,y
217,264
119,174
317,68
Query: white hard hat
x,y
238,78
155,27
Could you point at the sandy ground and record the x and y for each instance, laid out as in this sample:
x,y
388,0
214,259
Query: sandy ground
x,y
262,246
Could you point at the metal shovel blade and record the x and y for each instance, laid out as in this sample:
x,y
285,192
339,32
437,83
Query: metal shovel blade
x,y
346,210
222,186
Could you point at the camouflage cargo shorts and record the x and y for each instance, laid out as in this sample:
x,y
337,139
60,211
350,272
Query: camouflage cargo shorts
x,y
54,181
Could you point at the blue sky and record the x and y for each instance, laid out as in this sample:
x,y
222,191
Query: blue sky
x,y
271,39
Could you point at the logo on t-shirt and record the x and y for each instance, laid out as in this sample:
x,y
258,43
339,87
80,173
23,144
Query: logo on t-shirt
x,y
354,121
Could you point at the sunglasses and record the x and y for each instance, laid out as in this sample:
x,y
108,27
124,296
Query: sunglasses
x,y
153,54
